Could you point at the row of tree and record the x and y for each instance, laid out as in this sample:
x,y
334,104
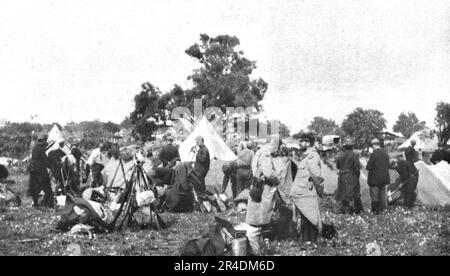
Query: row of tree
x,y
364,124
16,138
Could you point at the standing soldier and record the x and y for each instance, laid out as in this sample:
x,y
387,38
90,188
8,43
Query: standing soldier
x,y
262,200
95,163
39,178
378,178
412,157
202,161
348,188
304,194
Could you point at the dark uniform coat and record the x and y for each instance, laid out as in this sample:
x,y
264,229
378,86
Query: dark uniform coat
x,y
378,167
348,180
39,178
201,167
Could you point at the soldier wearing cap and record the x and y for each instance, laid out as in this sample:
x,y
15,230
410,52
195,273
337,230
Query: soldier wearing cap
x,y
39,178
169,154
378,177
348,188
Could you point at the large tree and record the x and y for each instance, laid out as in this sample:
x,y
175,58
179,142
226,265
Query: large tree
x,y
408,124
443,120
323,126
363,124
223,80
150,111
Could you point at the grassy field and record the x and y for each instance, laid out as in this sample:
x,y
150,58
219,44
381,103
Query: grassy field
x,y
422,231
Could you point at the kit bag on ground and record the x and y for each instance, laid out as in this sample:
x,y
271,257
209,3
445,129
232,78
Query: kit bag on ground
x,y
212,243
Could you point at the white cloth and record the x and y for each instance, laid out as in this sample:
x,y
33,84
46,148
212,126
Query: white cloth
x,y
96,157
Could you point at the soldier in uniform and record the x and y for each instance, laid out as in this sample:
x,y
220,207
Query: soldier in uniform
x,y
39,178
95,163
202,162
304,194
261,204
378,177
348,188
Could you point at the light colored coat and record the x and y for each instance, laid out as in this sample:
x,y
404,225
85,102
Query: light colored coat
x,y
260,213
303,193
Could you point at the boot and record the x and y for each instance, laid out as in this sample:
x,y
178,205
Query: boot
x,y
358,206
35,201
344,207
375,207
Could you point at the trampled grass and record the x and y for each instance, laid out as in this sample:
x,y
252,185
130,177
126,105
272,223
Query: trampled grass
x,y
422,231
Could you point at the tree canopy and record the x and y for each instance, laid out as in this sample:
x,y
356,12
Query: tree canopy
x,y
323,126
408,124
222,80
363,125
442,120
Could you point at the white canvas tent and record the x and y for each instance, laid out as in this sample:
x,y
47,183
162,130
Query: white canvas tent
x,y
423,143
216,146
433,187
55,135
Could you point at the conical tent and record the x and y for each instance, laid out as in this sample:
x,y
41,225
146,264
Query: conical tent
x,y
216,146
55,136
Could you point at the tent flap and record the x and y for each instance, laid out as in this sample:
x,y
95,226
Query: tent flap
x,y
433,187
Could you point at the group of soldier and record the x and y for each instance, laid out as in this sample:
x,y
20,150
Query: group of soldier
x,y
46,163
257,164
378,165
306,188
45,166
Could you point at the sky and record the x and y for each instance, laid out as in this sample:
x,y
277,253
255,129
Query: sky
x,y
83,60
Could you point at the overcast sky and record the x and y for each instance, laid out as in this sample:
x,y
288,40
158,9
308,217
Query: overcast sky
x,y
84,60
